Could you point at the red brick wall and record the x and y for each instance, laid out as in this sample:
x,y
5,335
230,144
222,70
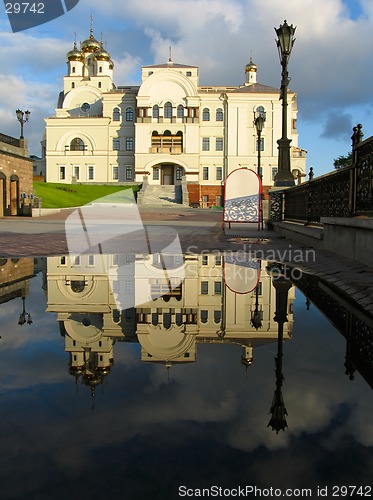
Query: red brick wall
x,y
198,191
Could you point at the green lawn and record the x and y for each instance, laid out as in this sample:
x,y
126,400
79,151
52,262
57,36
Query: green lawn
x,y
56,195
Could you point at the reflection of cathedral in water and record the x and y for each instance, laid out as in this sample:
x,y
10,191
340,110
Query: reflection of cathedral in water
x,y
168,304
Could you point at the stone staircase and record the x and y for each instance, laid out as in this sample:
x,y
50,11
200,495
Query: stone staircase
x,y
160,195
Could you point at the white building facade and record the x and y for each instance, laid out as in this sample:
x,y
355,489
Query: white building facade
x,y
169,129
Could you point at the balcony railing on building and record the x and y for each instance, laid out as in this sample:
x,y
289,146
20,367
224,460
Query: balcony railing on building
x,y
171,144
346,192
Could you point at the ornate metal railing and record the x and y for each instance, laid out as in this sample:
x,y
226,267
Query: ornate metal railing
x,y
325,196
364,177
343,193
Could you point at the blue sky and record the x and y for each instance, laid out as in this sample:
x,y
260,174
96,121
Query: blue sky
x,y
329,68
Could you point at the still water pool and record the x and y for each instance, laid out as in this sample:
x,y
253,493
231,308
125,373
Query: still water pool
x,y
150,377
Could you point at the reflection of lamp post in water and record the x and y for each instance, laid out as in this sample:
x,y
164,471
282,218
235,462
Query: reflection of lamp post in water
x,y
22,317
256,314
278,410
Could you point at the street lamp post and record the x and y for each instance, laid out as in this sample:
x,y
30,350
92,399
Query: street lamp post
x,y
285,42
260,118
224,98
20,114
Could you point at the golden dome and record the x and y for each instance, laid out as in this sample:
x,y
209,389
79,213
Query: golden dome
x,y
102,54
250,66
91,44
74,54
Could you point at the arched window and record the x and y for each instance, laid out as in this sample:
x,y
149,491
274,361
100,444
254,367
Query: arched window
x,y
72,85
129,115
73,69
167,112
180,111
116,114
219,115
77,145
77,286
99,85
156,111
206,115
100,69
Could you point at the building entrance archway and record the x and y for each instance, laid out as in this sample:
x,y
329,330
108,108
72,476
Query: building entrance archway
x,y
168,174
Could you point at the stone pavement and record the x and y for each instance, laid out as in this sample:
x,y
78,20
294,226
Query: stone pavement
x,y
199,231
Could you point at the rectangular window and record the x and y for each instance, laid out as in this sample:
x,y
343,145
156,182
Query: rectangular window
x,y
76,172
91,172
218,200
129,143
62,173
204,287
219,173
217,316
205,173
155,174
260,172
205,260
205,198
115,259
115,172
204,316
129,286
91,260
128,173
179,173
179,259
116,144
274,173
130,258
219,144
217,287
217,260
205,143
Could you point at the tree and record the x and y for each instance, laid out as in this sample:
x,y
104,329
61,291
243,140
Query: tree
x,y
343,161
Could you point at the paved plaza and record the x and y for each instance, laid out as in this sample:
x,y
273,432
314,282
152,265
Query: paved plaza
x,y
199,231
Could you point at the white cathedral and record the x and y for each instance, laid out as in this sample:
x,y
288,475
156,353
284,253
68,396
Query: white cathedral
x,y
169,130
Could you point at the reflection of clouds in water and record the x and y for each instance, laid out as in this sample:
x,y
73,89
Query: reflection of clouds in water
x,y
211,402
